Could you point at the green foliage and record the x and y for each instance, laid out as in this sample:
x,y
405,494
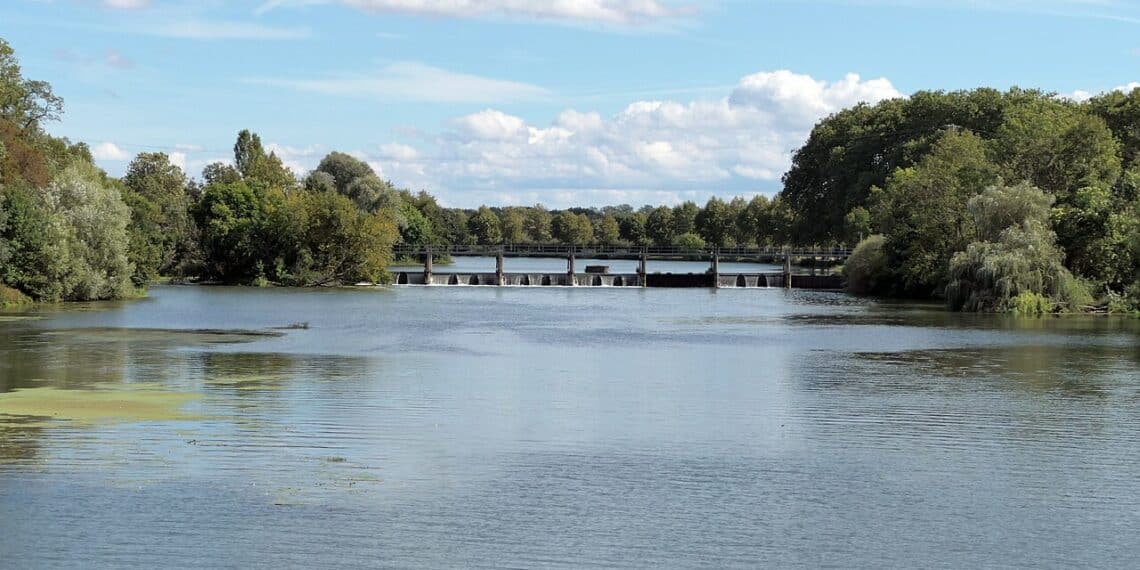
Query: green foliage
x,y
1001,207
95,222
26,103
1057,146
573,229
344,169
922,212
1029,303
37,239
414,226
538,224
659,226
484,227
715,222
866,270
512,223
608,231
332,242
689,241
633,229
857,224
989,275
684,218
163,235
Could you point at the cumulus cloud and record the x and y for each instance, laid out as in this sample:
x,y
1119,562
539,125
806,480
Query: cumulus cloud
x,y
1081,95
610,12
109,151
662,149
412,81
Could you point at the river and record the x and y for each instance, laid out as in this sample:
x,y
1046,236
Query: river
x,y
562,427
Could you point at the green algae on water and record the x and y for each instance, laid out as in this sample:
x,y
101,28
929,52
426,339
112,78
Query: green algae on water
x,y
116,404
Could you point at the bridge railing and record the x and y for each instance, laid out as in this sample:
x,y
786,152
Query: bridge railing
x,y
562,250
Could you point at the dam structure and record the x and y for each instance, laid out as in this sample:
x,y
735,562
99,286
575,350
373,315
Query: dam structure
x,y
599,275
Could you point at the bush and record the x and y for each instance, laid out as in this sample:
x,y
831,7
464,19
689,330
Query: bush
x,y
689,241
1031,304
989,276
866,269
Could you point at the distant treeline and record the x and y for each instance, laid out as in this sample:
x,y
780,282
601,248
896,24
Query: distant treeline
x,y
996,201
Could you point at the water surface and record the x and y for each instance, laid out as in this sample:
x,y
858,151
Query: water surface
x,y
491,427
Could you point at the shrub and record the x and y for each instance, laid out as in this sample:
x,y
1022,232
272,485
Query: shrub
x,y
1031,304
689,241
866,269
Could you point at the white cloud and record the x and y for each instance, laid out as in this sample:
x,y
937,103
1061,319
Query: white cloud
x,y
651,150
1081,95
410,81
109,151
298,159
609,12
178,159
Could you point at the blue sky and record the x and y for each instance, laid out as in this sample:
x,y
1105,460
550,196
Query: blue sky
x,y
563,102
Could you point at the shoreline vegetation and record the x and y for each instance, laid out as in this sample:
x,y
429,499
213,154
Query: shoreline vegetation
x,y
1017,202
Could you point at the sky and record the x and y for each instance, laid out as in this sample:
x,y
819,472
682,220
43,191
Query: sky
x,y
560,102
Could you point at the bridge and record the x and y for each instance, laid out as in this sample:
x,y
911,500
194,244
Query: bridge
x,y
598,251
598,276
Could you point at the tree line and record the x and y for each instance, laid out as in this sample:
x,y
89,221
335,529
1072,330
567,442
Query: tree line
x,y
992,200
995,201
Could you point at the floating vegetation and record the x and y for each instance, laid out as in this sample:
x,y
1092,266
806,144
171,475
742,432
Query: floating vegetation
x,y
173,336
108,404
248,381
293,327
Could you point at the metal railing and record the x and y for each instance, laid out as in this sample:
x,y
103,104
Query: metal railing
x,y
562,250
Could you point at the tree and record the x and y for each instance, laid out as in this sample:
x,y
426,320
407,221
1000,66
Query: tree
x,y
659,226
715,222
26,103
922,212
572,229
608,232
344,169
332,242
754,222
1019,268
633,229
247,152
689,241
484,227
512,222
684,218
370,193
96,228
537,224
220,173
858,224
866,271
162,232
1057,146
858,148
38,252
414,227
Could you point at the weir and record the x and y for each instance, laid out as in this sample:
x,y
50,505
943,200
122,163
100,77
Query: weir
x,y
597,277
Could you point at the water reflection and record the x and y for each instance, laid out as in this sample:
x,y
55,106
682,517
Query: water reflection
x,y
487,427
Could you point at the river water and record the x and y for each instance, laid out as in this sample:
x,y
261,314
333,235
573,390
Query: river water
x,y
564,427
